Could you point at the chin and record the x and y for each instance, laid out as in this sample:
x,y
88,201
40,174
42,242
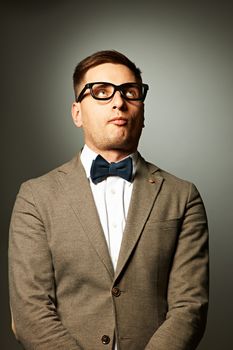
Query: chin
x,y
122,145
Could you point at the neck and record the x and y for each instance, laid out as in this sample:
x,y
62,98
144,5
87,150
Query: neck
x,y
114,155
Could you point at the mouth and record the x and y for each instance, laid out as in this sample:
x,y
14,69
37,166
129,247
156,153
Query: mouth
x,y
120,121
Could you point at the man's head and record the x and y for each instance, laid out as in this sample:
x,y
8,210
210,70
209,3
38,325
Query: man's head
x,y
111,115
100,57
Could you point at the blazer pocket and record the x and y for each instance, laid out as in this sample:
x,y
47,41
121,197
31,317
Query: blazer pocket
x,y
164,224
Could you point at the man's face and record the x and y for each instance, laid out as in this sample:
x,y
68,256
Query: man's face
x,y
115,124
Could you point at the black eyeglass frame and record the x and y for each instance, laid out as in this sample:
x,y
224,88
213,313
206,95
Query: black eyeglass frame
x,y
119,88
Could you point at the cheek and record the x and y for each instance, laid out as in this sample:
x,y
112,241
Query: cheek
x,y
92,123
138,119
92,114
87,116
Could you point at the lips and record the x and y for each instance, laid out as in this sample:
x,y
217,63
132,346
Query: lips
x,y
120,121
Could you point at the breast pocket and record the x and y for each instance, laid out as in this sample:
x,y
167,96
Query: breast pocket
x,y
161,238
164,225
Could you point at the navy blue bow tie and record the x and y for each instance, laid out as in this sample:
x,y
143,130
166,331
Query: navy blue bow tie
x,y
101,169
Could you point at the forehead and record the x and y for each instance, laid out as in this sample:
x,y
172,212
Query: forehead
x,y
110,72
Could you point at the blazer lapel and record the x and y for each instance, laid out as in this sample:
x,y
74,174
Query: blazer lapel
x,y
146,188
73,179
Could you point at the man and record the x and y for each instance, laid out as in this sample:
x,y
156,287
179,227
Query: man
x,y
108,251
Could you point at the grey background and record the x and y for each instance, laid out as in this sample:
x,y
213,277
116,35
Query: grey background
x,y
185,51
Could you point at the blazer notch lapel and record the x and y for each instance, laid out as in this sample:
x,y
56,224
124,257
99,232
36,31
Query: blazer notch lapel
x,y
147,184
78,192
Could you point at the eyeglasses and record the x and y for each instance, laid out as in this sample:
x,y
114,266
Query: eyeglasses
x,y
105,91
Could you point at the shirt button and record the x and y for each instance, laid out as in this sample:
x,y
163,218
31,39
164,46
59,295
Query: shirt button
x,y
113,191
116,292
105,339
114,224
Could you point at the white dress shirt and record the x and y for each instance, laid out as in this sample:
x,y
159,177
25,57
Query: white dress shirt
x,y
112,197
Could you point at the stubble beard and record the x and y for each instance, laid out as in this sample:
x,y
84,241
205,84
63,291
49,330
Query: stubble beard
x,y
124,140
124,143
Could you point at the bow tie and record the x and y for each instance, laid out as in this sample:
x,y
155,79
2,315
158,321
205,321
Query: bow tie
x,y
101,169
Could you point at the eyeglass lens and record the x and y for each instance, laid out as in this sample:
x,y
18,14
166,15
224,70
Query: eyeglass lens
x,y
129,91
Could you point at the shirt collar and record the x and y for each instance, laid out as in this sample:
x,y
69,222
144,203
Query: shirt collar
x,y
87,157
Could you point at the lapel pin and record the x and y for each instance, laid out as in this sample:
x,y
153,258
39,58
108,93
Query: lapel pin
x,y
151,181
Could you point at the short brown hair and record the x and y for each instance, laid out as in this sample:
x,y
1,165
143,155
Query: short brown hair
x,y
100,57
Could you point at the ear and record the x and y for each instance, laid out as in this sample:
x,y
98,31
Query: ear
x,y
76,114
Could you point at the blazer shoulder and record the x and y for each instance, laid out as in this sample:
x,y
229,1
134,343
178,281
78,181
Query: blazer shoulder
x,y
171,182
174,179
155,169
176,187
49,181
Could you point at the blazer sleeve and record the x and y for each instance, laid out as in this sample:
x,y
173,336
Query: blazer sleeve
x,y
187,293
31,280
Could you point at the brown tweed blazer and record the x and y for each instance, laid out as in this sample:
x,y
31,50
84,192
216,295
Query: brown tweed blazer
x,y
64,293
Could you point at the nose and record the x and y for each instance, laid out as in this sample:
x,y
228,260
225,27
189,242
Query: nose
x,y
117,100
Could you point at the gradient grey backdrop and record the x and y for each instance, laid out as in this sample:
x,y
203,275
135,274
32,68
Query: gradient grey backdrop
x,y
185,52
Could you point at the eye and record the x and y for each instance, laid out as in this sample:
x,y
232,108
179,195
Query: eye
x,y
102,90
132,92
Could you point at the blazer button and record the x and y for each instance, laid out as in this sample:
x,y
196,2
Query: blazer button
x,y
105,339
116,292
